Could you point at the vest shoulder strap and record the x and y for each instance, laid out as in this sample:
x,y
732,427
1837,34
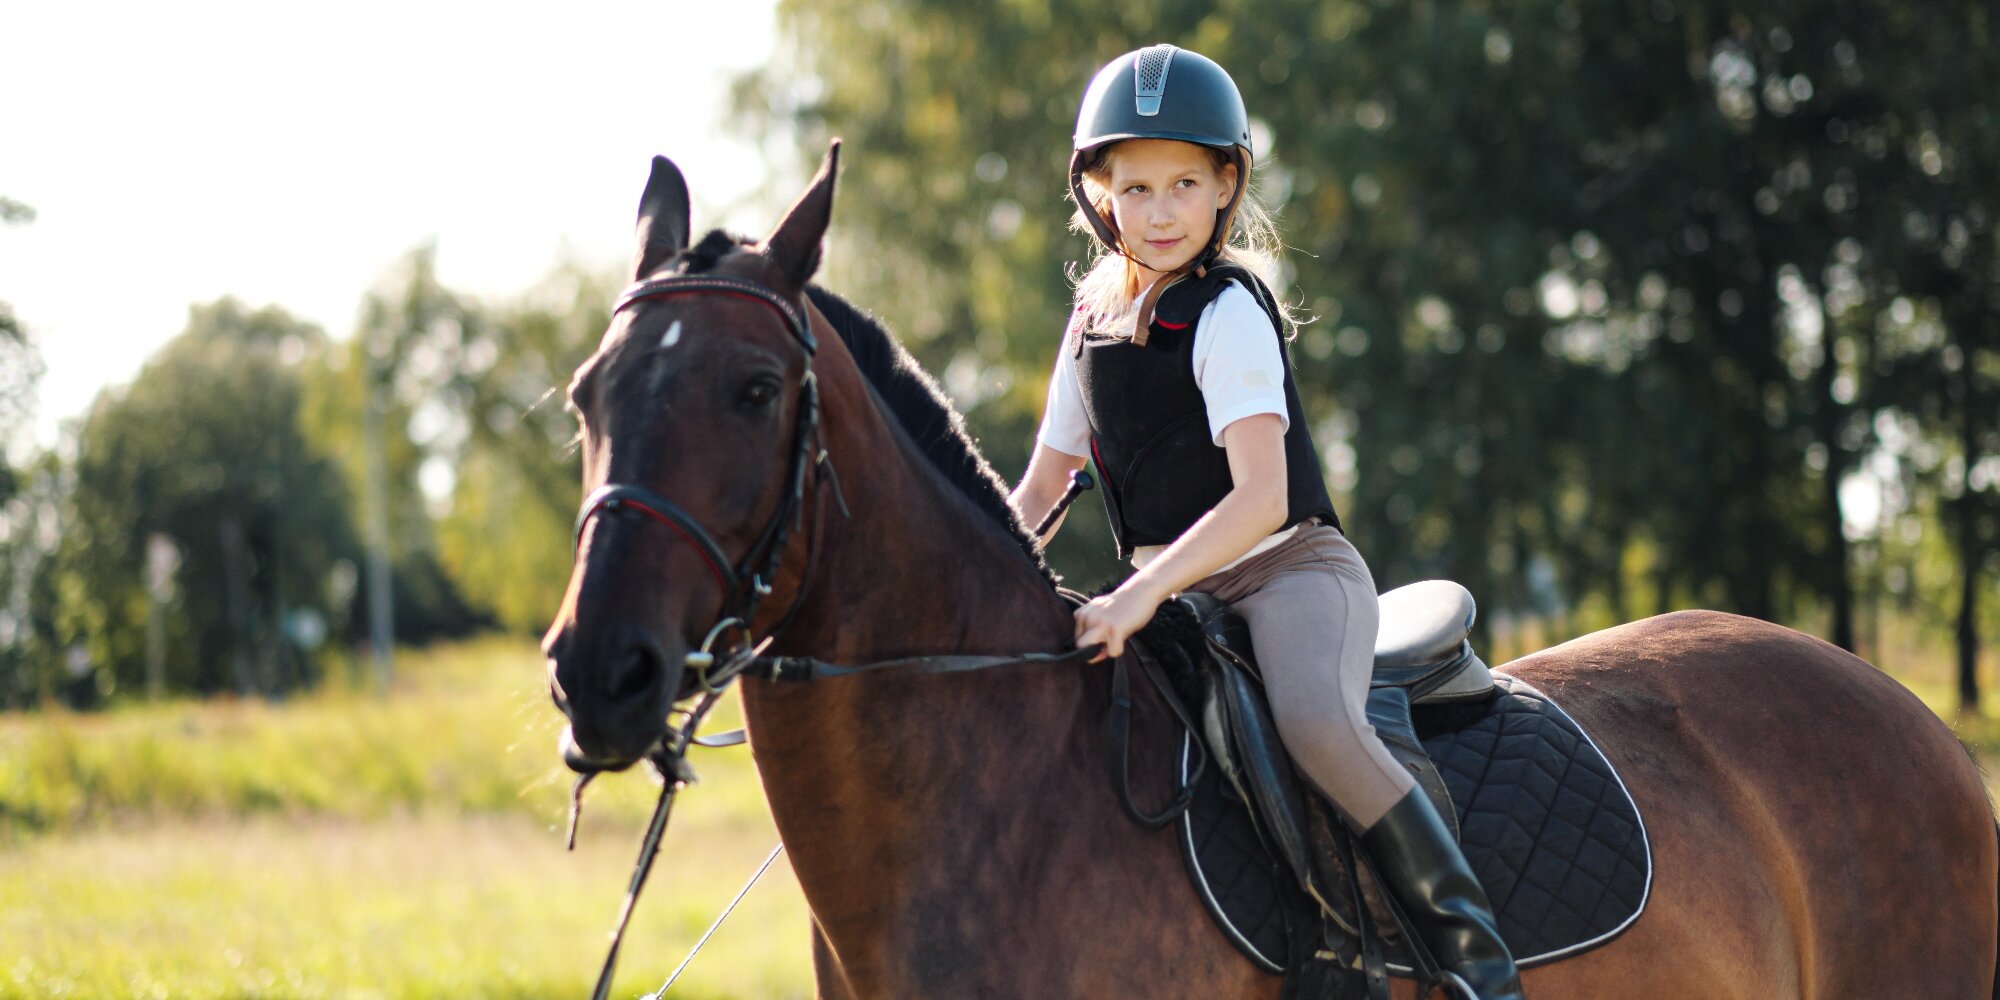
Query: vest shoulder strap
x,y
1181,305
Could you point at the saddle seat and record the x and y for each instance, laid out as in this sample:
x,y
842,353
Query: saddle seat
x,y
1422,645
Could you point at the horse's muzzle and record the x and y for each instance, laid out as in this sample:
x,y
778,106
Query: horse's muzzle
x,y
616,694
574,757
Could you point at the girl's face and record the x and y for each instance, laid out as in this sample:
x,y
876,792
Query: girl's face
x,y
1164,197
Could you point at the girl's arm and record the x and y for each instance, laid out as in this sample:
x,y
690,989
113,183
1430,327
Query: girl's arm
x,y
1255,508
1043,484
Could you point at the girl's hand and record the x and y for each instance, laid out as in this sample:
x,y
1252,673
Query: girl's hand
x,y
1111,619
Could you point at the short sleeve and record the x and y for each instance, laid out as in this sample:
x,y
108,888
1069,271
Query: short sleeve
x,y
1237,361
1065,424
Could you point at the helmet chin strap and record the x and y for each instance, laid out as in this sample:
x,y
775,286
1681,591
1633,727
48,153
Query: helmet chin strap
x,y
1198,264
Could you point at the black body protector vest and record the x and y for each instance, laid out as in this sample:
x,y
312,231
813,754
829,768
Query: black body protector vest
x,y
1149,425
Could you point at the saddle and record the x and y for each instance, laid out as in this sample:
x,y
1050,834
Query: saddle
x,y
1553,834
1423,656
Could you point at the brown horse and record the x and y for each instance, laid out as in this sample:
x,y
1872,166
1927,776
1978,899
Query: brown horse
x,y
1816,831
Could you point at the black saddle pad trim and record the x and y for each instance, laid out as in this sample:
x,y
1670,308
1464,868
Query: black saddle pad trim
x,y
1249,893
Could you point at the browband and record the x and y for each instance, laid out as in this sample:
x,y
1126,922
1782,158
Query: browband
x,y
686,284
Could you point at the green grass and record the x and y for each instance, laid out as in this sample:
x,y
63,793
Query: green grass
x,y
468,907
344,845
468,729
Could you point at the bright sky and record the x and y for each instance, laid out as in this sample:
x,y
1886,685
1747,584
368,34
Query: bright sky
x,y
289,154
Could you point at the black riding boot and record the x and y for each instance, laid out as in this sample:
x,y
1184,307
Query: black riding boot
x,y
1445,904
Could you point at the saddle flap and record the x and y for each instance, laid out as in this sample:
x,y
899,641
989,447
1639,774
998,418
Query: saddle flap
x,y
1265,770
1423,623
1243,735
1224,627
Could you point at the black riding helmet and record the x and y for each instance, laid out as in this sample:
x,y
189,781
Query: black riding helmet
x,y
1162,92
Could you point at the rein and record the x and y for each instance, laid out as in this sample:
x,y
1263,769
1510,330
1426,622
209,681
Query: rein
x,y
745,584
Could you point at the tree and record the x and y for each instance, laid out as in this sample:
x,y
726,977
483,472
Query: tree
x,y
20,366
411,332
204,452
481,473
517,463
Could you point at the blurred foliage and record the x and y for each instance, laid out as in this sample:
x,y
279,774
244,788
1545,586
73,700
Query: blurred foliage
x,y
484,477
388,364
506,538
200,465
20,368
1612,299
242,448
467,730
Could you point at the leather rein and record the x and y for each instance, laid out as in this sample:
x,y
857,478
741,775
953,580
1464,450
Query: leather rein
x,y
744,585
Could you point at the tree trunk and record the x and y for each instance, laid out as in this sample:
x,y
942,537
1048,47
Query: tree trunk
x,y
381,597
1838,588
236,591
1968,620
1970,550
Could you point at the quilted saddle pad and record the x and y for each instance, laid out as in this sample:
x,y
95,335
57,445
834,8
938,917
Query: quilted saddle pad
x,y
1546,824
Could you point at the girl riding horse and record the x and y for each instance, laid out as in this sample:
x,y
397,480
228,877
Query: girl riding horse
x,y
1174,378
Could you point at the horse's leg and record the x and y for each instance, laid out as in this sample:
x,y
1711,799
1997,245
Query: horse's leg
x,y
1816,831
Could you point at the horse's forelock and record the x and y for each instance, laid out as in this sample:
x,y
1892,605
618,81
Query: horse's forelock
x,y
708,252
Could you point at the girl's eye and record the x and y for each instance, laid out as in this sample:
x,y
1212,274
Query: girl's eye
x,y
1187,182
1136,189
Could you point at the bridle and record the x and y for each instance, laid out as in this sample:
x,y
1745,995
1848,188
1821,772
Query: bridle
x,y
746,583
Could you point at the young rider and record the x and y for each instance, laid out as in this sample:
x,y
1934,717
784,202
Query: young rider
x,y
1174,377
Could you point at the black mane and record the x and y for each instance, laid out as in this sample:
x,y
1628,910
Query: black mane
x,y
911,395
917,402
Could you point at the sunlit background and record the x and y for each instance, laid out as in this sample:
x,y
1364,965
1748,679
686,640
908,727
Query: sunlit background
x,y
1616,308
290,156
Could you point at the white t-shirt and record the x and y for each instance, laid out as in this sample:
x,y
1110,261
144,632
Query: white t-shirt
x,y
1237,365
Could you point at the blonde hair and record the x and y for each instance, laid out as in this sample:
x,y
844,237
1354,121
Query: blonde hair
x,y
1107,292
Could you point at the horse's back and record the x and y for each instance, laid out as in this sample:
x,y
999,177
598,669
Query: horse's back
x,y
1816,831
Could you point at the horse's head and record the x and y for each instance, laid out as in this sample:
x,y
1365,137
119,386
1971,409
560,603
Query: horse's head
x,y
699,416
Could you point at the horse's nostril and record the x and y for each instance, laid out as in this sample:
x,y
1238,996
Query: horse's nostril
x,y
637,670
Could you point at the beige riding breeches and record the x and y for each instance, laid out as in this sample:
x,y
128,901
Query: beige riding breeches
x,y
1312,611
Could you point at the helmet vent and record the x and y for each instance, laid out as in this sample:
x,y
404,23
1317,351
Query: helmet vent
x,y
1150,73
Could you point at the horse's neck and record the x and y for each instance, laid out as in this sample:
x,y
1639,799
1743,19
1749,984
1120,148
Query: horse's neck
x,y
868,775
917,568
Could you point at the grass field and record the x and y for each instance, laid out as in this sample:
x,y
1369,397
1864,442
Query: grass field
x,y
343,845
408,846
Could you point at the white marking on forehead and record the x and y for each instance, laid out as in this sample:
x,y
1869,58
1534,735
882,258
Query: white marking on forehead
x,y
673,335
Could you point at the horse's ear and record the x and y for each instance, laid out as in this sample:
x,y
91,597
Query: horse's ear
x,y
795,243
663,218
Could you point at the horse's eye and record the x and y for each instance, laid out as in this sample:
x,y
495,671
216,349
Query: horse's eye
x,y
758,393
